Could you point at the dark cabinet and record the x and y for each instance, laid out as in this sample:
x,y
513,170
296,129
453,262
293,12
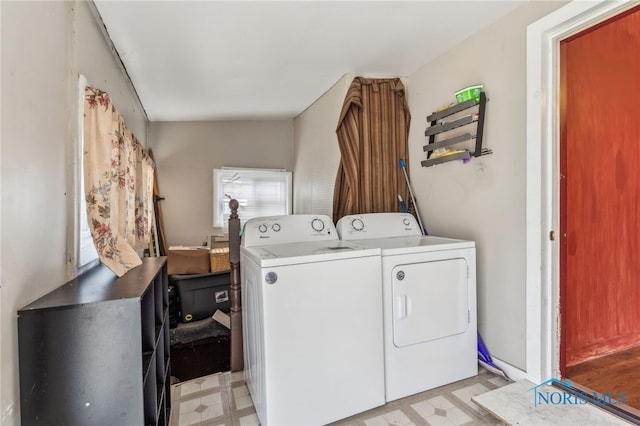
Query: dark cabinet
x,y
95,351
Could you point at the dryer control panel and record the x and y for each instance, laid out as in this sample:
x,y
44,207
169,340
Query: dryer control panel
x,y
297,228
377,225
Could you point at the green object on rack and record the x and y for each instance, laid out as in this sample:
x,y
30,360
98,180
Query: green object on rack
x,y
471,92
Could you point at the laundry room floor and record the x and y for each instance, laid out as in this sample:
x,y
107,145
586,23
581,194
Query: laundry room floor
x,y
223,399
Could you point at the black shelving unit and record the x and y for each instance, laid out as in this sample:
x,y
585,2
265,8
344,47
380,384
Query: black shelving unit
x,y
95,351
439,126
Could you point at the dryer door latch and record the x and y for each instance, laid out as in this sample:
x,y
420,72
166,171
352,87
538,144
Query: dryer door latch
x,y
404,306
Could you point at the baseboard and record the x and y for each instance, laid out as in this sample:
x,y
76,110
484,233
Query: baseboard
x,y
512,372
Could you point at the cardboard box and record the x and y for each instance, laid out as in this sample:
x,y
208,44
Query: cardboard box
x,y
220,259
188,260
218,241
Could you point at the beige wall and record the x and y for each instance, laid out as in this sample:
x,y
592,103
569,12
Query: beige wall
x,y
316,151
186,154
44,47
101,71
34,140
483,200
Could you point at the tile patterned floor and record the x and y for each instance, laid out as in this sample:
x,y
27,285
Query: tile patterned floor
x,y
223,399
218,399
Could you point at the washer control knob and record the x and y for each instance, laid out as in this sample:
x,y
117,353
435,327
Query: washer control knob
x,y
275,227
357,224
317,225
262,228
406,221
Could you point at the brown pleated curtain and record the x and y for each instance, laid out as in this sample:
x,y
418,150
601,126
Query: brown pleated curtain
x,y
373,133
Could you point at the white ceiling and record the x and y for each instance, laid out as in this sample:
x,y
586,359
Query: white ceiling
x,y
227,60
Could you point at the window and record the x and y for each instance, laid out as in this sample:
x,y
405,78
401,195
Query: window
x,y
259,192
85,251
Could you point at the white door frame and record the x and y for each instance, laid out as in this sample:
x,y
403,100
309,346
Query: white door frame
x,y
542,187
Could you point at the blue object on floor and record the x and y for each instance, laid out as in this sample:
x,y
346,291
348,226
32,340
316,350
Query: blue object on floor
x,y
483,352
484,358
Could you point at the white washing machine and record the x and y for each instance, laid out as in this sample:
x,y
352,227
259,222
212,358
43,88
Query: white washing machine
x,y
429,288
312,318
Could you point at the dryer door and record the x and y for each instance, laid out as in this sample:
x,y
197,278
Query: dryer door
x,y
430,300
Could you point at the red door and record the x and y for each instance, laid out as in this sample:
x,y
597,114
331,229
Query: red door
x,y
600,189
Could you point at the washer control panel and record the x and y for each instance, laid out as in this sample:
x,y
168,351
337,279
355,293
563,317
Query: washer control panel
x,y
288,229
377,225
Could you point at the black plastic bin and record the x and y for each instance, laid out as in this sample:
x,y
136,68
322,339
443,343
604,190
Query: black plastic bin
x,y
201,295
174,306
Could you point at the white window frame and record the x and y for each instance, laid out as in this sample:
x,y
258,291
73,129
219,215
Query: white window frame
x,y
247,208
85,254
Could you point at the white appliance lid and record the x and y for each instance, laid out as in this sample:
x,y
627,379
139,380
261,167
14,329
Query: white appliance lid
x,y
415,244
307,252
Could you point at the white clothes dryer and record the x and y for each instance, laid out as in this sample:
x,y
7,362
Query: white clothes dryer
x,y
429,293
312,319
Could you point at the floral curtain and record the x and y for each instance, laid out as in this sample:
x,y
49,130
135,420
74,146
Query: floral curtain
x,y
118,183
373,134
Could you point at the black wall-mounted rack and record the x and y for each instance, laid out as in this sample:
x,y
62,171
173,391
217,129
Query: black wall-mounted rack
x,y
437,126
